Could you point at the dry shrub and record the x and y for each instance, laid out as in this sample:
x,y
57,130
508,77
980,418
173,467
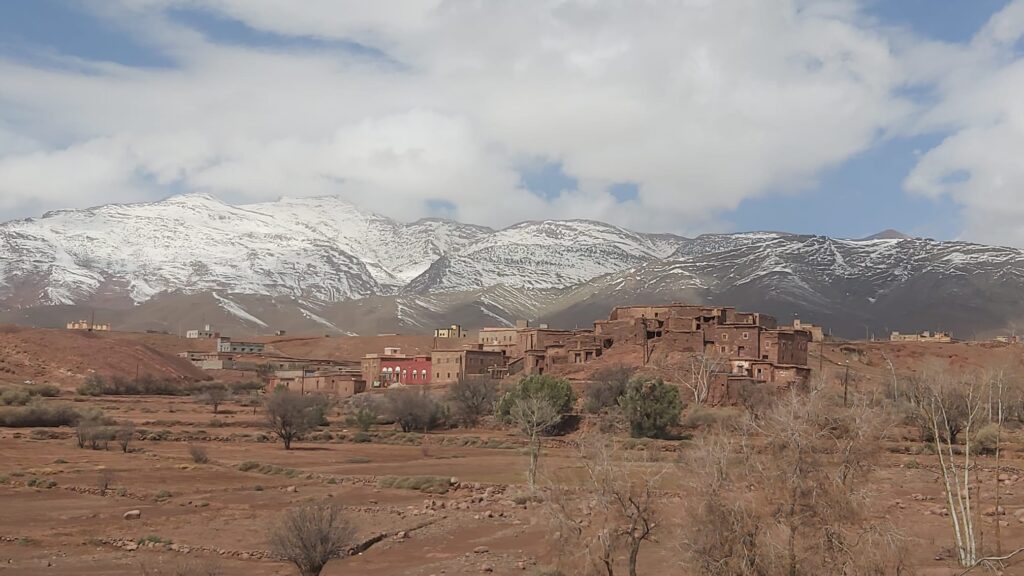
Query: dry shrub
x,y
39,415
104,480
617,510
198,454
189,567
310,536
786,494
471,398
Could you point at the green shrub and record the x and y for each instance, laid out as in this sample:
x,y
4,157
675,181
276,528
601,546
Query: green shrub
x,y
163,495
556,390
651,407
361,437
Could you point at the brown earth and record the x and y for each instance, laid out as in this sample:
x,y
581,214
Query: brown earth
x,y
221,514
64,357
216,513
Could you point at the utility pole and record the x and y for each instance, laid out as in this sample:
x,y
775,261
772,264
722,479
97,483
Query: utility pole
x,y
643,320
821,363
846,384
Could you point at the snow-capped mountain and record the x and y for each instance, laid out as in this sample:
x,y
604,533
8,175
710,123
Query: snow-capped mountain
x,y
332,266
854,286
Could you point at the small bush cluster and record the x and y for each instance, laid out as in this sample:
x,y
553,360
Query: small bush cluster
x,y
426,484
46,483
39,415
96,385
21,396
271,469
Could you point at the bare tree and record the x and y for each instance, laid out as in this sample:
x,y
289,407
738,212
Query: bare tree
x,y
962,413
310,536
616,512
213,396
532,415
290,415
606,387
785,493
700,375
471,398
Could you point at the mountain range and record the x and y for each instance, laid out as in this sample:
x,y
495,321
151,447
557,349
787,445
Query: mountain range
x,y
323,265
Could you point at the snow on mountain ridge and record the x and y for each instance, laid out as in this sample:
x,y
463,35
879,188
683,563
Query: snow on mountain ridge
x,y
325,250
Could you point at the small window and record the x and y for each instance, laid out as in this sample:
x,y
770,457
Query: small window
x,y
725,336
746,336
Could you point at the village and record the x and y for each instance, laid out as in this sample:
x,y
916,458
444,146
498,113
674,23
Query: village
x,y
744,348
177,463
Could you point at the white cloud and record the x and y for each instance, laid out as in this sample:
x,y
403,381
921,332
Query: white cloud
x,y
978,165
702,104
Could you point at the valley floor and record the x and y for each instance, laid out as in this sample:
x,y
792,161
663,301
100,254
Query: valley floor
x,y
54,519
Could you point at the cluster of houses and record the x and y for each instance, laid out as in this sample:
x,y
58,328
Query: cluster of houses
x,y
926,336
739,347
746,347
87,325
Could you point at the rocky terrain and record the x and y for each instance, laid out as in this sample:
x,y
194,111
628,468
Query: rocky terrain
x,y
323,265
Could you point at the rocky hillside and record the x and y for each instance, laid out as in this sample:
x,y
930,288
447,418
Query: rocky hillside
x,y
317,264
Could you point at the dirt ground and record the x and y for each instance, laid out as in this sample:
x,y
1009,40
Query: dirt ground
x,y
216,513
54,518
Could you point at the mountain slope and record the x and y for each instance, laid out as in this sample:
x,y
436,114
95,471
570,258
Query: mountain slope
x,y
321,264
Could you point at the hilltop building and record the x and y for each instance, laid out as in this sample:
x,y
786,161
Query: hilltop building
x,y
453,331
88,325
226,345
926,336
205,333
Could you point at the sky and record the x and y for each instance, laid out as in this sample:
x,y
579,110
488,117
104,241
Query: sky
x,y
837,117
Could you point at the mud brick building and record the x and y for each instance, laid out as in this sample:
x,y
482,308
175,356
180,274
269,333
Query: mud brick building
x,y
330,382
745,347
450,366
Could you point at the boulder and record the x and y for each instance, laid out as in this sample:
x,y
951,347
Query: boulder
x,y
132,515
